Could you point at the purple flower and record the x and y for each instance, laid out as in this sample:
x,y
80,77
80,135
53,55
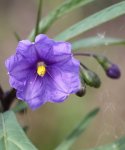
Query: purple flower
x,y
43,71
113,71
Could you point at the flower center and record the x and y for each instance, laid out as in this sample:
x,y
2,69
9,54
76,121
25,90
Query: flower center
x,y
41,69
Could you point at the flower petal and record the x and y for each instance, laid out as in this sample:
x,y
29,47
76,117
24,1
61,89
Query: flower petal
x,y
34,91
18,68
61,52
61,48
27,50
44,46
16,84
63,80
51,51
54,92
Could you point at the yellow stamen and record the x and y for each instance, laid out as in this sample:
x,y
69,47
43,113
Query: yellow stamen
x,y
41,70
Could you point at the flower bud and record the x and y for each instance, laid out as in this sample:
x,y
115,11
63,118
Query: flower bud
x,y
111,70
81,92
90,78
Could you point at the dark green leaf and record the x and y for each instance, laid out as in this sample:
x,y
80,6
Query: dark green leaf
x,y
80,128
12,137
96,41
92,21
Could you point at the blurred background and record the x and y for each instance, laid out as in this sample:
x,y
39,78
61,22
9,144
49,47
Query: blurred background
x,y
50,124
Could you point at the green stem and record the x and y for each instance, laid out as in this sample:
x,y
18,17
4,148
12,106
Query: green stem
x,y
83,54
38,18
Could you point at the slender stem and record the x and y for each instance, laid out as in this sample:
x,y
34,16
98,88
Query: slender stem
x,y
38,18
83,54
83,66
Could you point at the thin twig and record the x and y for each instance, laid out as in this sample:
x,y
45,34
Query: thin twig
x,y
38,17
83,54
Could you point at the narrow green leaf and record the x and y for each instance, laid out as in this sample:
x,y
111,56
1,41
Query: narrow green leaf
x,y
62,9
38,17
12,137
92,21
96,42
117,145
73,136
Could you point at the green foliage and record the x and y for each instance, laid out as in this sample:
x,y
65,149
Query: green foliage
x,y
61,10
96,42
80,128
117,145
92,21
12,136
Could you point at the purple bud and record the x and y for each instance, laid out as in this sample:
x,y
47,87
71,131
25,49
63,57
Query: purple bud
x,y
113,71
